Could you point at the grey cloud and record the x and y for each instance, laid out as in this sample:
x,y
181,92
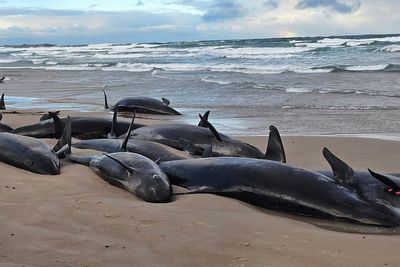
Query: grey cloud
x,y
139,3
271,4
128,26
339,6
39,12
224,10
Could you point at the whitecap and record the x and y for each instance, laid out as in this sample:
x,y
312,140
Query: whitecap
x,y
213,80
297,90
367,67
390,48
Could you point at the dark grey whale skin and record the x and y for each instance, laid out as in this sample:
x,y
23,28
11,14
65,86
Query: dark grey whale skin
x,y
28,153
145,105
372,188
5,128
82,127
152,150
271,184
147,181
171,134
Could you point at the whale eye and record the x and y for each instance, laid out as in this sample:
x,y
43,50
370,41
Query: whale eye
x,y
392,192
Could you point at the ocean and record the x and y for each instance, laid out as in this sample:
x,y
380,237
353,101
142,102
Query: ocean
x,y
302,85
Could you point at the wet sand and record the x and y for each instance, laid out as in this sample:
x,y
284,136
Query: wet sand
x,y
77,219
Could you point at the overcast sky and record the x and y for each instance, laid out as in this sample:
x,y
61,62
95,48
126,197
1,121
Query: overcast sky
x,y
116,21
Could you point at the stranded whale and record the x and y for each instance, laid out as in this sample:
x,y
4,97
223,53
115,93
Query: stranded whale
x,y
32,154
275,185
82,128
130,171
143,105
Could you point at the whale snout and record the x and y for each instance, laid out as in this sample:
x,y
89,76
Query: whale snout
x,y
160,189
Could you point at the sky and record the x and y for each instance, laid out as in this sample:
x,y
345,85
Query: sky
x,y
126,21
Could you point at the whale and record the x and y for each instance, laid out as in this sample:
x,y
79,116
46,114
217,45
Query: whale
x,y
203,141
279,186
373,185
130,171
82,128
152,150
47,116
33,154
145,105
4,127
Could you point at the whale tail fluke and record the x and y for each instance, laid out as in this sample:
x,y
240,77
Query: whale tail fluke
x,y
211,127
59,125
275,150
48,116
205,116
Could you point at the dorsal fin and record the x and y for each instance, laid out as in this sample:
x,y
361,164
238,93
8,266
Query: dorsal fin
x,y
211,127
58,124
123,147
123,164
105,100
342,172
166,101
275,150
205,116
2,78
2,104
389,180
65,139
112,134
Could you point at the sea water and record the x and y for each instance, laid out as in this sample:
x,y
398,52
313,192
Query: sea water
x,y
304,85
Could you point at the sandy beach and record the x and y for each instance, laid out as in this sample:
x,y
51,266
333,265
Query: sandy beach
x,y
77,219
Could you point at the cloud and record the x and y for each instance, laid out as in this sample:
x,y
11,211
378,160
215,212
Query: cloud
x,y
176,20
40,12
139,3
224,10
337,5
77,27
271,4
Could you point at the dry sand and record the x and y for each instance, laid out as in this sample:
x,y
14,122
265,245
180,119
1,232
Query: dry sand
x,y
77,219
